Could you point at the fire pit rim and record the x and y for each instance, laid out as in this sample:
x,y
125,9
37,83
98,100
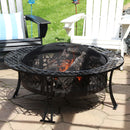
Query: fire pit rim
x,y
14,61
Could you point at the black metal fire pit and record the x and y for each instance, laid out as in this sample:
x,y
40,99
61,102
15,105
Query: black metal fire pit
x,y
64,69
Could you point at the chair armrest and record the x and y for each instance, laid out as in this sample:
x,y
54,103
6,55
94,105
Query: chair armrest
x,y
74,18
69,23
36,19
125,22
42,24
125,19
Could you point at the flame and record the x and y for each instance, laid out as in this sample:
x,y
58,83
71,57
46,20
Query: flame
x,y
64,66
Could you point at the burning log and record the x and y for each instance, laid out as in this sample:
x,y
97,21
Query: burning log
x,y
61,62
71,59
67,81
78,63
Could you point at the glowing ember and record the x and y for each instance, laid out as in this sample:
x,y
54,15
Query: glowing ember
x,y
79,78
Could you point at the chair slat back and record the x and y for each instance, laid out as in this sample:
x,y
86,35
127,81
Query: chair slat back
x,y
89,12
19,5
11,6
111,16
4,7
102,19
119,10
96,18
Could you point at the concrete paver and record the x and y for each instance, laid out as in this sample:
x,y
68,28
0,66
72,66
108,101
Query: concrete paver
x,y
25,111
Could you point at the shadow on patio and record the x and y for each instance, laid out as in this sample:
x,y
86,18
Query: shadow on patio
x,y
25,111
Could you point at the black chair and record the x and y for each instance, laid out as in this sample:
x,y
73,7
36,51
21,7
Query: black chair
x,y
10,44
12,20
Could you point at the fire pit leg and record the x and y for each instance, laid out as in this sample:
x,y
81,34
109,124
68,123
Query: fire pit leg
x,y
18,86
50,120
48,117
111,92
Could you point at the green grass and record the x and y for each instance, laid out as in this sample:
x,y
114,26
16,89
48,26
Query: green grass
x,y
54,11
126,1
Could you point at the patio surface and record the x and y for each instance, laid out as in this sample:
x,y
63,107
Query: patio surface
x,y
25,111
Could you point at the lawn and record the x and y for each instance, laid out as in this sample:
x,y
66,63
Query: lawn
x,y
126,1
54,11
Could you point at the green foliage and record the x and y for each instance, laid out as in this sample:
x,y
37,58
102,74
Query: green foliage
x,y
126,1
55,11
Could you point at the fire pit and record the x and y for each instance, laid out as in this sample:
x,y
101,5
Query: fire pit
x,y
64,69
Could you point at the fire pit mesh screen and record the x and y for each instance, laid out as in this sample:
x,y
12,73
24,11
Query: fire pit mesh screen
x,y
63,58
60,86
60,69
57,57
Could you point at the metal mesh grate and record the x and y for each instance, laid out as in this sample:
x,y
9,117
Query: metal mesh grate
x,y
43,69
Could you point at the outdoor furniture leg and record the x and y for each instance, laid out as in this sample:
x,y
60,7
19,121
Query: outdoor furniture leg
x,y
111,92
48,117
18,86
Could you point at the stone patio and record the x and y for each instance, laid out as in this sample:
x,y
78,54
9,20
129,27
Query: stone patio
x,y
25,111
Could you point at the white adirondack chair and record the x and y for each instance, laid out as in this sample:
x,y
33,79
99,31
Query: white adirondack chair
x,y
102,24
11,8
